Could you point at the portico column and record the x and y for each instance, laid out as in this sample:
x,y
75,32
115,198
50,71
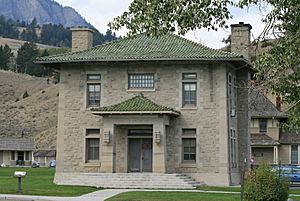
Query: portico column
x,y
107,148
275,155
159,146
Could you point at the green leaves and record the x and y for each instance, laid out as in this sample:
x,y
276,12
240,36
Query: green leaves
x,y
157,17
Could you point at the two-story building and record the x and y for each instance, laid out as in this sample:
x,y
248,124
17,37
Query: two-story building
x,y
270,143
152,106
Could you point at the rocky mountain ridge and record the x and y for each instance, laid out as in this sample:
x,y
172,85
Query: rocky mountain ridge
x,y
45,12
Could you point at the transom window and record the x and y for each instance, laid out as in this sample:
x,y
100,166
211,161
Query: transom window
x,y
263,125
189,76
141,81
93,77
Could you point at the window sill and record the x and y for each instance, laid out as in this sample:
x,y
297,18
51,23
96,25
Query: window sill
x,y
92,164
140,90
189,108
188,165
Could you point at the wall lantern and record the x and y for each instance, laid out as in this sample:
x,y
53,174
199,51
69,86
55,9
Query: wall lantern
x,y
157,137
106,138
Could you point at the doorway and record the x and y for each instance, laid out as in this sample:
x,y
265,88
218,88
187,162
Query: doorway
x,y
140,154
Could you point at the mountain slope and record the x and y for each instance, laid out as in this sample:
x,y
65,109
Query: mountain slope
x,y
36,114
45,12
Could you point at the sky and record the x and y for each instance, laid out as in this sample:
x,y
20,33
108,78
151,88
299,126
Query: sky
x,y
100,12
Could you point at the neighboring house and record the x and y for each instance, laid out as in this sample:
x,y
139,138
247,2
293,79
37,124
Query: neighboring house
x,y
44,157
16,151
152,104
269,143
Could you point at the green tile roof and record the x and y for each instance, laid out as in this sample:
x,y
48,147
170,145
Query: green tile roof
x,y
136,105
143,48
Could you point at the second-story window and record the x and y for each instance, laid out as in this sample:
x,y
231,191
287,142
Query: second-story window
x,y
93,90
189,89
141,81
263,125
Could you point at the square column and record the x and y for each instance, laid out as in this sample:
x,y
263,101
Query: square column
x,y
275,155
107,148
159,145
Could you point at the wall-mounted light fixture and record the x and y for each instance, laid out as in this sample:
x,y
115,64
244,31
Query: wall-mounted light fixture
x,y
106,138
157,137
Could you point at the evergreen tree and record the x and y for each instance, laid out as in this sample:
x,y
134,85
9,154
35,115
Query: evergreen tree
x,y
5,54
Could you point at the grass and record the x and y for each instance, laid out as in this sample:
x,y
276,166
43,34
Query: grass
x,y
219,188
38,181
173,196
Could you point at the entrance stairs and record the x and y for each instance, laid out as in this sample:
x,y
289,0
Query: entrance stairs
x,y
128,180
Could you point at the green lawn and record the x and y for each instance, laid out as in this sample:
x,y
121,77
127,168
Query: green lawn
x,y
173,196
39,181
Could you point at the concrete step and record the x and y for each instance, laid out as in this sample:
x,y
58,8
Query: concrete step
x,y
127,180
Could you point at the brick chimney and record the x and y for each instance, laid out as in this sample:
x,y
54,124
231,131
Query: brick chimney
x,y
82,39
240,39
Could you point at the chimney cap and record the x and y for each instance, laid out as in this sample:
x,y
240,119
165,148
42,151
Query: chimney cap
x,y
241,24
82,29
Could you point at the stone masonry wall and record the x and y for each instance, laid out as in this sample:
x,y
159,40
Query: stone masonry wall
x,y
209,117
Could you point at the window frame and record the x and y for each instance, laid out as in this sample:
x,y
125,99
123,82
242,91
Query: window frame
x,y
97,94
186,80
263,131
89,136
233,148
140,81
296,159
189,134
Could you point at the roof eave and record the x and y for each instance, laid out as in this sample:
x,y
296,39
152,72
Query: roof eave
x,y
175,113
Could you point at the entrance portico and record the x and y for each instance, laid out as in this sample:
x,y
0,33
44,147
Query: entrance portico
x,y
121,151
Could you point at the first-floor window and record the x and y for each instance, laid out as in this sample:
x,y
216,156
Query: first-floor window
x,y
294,154
233,148
189,149
92,145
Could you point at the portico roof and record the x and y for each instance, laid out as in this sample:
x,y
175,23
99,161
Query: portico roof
x,y
136,105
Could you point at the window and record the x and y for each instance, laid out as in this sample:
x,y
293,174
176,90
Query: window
x,y
93,90
263,125
294,154
189,145
12,156
233,148
232,94
189,89
92,145
141,81
27,156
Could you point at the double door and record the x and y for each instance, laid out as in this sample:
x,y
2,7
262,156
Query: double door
x,y
140,154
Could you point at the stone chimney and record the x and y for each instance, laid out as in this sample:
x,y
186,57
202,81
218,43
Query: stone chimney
x,y
82,39
240,39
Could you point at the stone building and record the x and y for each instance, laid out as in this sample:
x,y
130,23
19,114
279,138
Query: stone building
x,y
157,106
270,143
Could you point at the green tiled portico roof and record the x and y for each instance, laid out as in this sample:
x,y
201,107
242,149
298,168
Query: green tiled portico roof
x,y
136,105
143,48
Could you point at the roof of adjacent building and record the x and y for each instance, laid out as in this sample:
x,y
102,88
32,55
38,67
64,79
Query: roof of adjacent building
x,y
261,107
44,153
144,48
262,140
17,144
136,105
290,137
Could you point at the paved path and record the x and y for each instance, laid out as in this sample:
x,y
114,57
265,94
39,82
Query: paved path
x,y
100,195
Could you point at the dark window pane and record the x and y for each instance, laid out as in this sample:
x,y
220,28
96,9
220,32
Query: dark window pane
x,y
263,125
294,154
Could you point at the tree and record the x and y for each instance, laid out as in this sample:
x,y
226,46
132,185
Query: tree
x,y
26,54
278,68
5,54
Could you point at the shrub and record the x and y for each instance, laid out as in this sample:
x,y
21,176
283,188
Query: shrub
x,y
263,184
